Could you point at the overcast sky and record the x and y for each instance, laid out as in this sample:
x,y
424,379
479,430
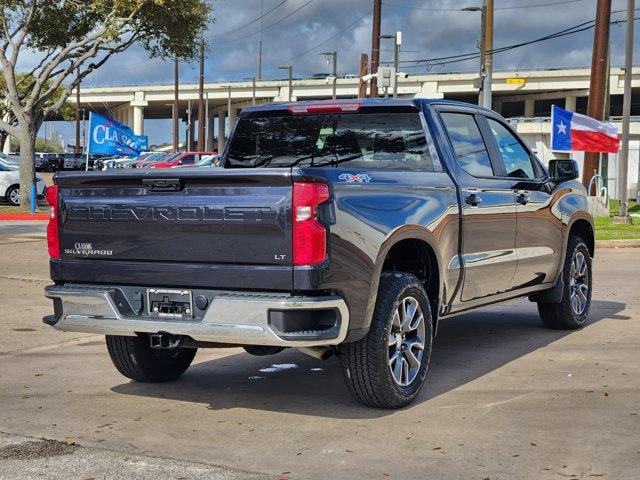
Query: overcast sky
x,y
296,32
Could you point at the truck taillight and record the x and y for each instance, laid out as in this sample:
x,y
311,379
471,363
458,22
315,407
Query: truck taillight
x,y
53,237
309,235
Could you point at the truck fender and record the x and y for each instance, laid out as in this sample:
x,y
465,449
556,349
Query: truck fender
x,y
406,232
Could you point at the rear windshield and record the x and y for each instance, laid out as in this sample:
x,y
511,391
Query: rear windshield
x,y
390,140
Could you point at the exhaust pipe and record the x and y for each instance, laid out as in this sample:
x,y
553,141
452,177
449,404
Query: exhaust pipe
x,y
321,353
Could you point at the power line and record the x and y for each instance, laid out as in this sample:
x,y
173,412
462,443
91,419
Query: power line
x,y
255,20
339,32
429,9
268,27
428,62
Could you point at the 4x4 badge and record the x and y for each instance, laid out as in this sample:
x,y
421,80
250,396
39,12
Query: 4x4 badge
x,y
359,178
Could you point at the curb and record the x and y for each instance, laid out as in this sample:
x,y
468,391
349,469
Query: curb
x,y
23,216
627,243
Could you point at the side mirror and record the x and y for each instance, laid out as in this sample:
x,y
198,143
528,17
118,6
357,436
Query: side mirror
x,y
562,170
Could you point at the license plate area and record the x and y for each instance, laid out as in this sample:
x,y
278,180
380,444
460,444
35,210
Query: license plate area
x,y
170,304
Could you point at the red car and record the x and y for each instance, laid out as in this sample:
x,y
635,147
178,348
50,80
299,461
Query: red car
x,y
185,158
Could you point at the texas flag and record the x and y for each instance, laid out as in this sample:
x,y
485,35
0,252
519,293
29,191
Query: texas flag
x,y
572,132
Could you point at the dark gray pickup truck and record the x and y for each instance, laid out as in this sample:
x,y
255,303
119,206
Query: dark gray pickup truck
x,y
346,227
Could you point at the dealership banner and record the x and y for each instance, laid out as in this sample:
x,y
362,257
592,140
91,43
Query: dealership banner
x,y
108,137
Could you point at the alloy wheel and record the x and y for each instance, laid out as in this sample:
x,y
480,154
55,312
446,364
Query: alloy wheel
x,y
406,341
14,196
579,283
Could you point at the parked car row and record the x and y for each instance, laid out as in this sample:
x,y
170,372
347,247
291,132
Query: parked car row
x,y
160,160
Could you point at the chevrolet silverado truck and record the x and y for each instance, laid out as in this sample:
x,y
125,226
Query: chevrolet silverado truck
x,y
346,227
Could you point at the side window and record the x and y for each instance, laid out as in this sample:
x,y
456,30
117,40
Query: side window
x,y
189,159
516,159
471,152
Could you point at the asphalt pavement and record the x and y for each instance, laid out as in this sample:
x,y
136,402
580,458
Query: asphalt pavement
x,y
505,399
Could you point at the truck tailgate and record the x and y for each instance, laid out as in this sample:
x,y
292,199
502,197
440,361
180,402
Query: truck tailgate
x,y
177,217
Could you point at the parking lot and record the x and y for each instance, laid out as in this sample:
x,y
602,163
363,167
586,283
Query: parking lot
x,y
505,398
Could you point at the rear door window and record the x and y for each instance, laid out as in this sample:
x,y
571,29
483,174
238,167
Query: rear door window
x,y
469,147
390,141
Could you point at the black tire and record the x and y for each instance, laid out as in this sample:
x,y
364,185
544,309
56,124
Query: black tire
x,y
11,195
135,359
366,363
565,315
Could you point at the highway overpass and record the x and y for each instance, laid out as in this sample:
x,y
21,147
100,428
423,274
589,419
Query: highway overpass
x,y
517,94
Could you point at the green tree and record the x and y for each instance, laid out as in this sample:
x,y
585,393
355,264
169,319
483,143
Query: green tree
x,y
73,38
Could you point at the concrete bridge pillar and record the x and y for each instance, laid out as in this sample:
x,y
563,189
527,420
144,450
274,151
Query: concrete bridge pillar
x,y
137,113
233,116
209,132
6,148
529,108
570,103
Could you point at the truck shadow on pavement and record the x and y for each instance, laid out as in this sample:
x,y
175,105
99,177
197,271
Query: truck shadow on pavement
x,y
468,346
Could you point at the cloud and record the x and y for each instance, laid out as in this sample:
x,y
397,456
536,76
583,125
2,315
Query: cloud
x,y
299,30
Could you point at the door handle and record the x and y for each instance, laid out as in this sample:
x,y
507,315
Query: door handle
x,y
523,198
473,200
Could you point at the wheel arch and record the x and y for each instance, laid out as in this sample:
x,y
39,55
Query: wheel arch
x,y
583,228
393,255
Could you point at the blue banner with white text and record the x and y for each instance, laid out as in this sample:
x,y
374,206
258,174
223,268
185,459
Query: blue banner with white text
x,y
108,137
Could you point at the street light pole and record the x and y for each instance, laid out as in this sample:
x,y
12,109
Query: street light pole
x,y
334,56
623,164
397,41
483,49
201,113
176,106
77,147
290,69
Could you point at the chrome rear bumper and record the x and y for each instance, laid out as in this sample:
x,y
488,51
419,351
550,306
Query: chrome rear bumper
x,y
232,318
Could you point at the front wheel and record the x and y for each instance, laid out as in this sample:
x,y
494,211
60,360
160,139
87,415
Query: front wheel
x,y
135,359
572,311
388,367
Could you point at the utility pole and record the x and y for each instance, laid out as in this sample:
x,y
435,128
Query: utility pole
x,y
260,44
334,57
77,147
599,61
623,163
290,69
375,45
362,88
176,106
201,129
487,96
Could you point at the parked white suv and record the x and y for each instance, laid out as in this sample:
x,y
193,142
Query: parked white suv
x,y
10,185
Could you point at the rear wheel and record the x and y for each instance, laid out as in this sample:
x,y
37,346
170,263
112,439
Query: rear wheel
x,y
388,367
13,195
572,311
135,359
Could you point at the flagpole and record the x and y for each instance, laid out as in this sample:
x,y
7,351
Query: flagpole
x,y
87,142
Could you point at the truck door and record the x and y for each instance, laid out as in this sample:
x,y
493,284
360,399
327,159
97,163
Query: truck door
x,y
488,208
539,231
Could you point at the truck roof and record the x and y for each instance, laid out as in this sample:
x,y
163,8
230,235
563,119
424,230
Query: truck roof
x,y
363,102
